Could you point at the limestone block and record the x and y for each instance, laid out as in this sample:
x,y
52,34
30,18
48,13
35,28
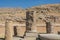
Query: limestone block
x,y
30,38
33,34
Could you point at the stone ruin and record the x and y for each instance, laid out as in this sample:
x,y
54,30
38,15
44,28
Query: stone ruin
x,y
29,22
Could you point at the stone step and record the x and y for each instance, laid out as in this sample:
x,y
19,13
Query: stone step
x,y
30,38
32,34
17,38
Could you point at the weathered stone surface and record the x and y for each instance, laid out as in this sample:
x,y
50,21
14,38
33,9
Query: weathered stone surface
x,y
21,31
30,36
49,12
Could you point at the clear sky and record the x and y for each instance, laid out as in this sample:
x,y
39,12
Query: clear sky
x,y
26,3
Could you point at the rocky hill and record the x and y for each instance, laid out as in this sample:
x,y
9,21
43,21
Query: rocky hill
x,y
11,13
18,13
50,10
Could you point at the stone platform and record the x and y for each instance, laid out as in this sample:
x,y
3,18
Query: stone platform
x,y
49,36
30,36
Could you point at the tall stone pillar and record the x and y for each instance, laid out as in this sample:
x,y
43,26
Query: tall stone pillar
x,y
34,27
8,30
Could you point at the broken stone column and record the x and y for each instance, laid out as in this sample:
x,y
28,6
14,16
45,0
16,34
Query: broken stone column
x,y
34,27
52,28
8,30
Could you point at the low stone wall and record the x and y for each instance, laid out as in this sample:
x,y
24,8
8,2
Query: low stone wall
x,y
21,30
56,29
41,29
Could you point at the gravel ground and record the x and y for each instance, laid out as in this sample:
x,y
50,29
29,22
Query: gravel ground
x,y
14,38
